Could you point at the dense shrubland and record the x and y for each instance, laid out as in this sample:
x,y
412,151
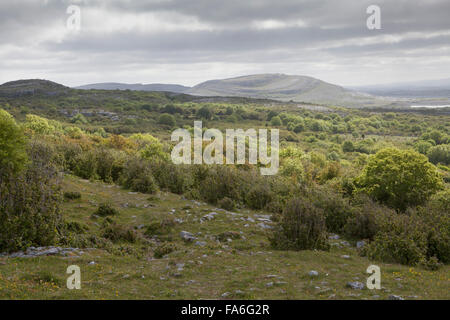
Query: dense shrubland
x,y
339,177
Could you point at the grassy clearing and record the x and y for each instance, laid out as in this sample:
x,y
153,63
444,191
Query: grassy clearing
x,y
246,268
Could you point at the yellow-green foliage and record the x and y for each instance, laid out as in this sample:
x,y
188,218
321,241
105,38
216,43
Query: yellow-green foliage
x,y
399,178
12,144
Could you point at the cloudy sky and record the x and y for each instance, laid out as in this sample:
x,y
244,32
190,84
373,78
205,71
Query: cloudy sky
x,y
190,41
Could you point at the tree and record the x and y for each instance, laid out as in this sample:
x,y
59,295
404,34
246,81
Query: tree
x,y
440,154
13,154
348,146
166,119
204,112
399,178
275,121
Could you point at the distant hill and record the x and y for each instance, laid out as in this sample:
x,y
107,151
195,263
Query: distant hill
x,y
137,86
285,88
32,87
261,86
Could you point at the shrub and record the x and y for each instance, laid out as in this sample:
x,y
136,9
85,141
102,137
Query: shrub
x,y
137,176
172,177
259,196
227,204
348,146
275,121
29,203
72,195
439,154
166,119
330,171
302,227
105,209
399,179
363,223
86,165
336,209
163,250
13,155
159,228
117,233
204,112
76,227
418,238
70,152
217,182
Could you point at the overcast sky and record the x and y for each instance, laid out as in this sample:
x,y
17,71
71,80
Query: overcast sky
x,y
190,41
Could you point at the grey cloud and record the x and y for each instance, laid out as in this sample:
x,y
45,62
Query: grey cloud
x,y
334,32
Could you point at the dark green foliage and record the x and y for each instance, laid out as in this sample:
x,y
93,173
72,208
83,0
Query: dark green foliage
x,y
76,227
105,209
172,177
439,154
363,223
227,204
72,195
163,250
204,113
167,119
119,233
336,209
301,227
348,146
159,228
259,196
412,239
29,203
137,176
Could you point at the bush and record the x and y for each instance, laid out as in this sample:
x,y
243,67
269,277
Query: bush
x,y
363,223
259,196
105,209
217,182
117,233
172,177
163,250
418,238
348,146
29,203
159,228
335,208
399,178
276,121
227,204
86,165
72,195
137,176
439,154
204,112
13,155
302,227
76,227
167,119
